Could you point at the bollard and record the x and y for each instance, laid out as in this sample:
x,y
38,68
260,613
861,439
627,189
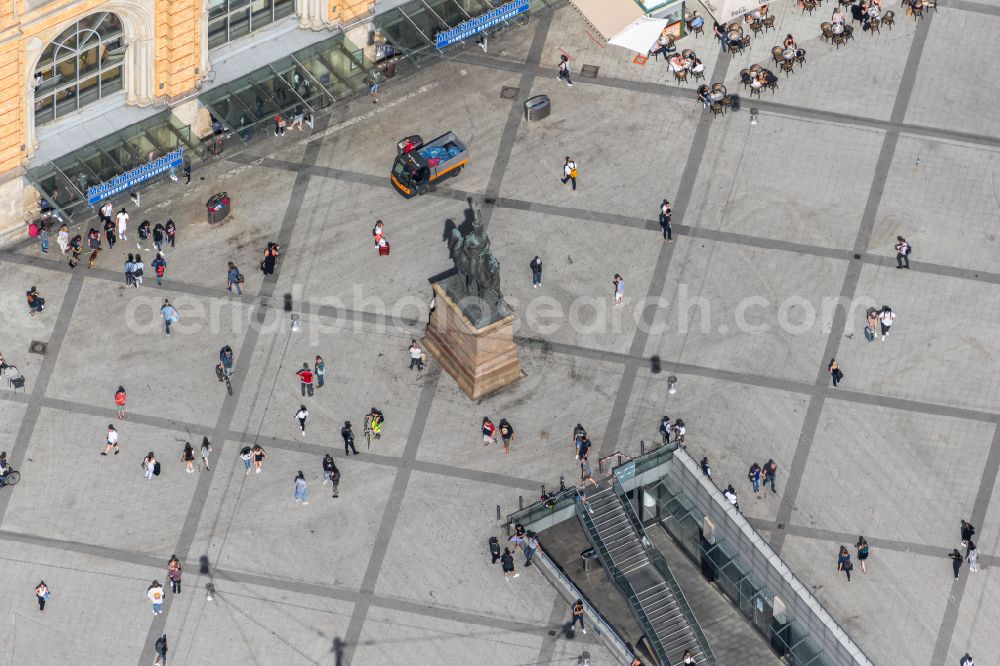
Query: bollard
x,y
562,483
671,385
520,502
642,448
210,589
498,513
296,321
543,490
619,459
753,116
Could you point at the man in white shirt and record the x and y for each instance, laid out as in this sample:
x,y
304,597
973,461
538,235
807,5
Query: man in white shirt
x,y
885,318
416,356
121,222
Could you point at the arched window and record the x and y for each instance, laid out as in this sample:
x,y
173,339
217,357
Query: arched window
x,y
79,67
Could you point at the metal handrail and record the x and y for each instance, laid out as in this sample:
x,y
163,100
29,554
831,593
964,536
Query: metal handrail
x,y
621,457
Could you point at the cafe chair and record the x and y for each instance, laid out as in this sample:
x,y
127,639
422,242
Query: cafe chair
x,y
768,23
873,27
800,57
745,78
681,76
827,29
778,54
717,109
888,19
787,66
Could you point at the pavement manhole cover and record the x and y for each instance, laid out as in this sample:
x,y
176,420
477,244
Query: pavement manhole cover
x,y
589,71
509,92
38,347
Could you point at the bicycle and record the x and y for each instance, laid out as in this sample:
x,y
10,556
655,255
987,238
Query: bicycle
x,y
224,373
13,476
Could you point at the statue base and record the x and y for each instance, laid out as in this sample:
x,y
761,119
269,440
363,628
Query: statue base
x,y
481,360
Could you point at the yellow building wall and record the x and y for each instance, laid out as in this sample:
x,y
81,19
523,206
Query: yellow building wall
x,y
178,46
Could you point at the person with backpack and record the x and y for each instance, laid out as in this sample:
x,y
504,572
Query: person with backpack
x,y
506,434
35,302
234,279
159,266
754,476
844,562
158,234
903,250
885,318
863,552
564,73
161,651
569,171
335,479
966,661
137,271
144,230
327,468
171,231
966,530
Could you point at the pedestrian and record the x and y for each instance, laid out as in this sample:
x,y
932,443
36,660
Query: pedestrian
x,y
246,455
170,315
62,239
187,173
150,466
138,270
972,557
506,434
348,435
144,230
94,239
112,441
378,231
584,449
966,530
155,594
754,476
328,466
770,473
43,237
844,562
174,572
665,428
234,279
109,233
279,125
159,266
258,457
579,433
105,212
121,223
75,248
120,397
730,494
564,72
158,234
536,272
665,216
834,369
161,651
489,431
585,470
335,479
619,286
903,250
956,562
320,370
171,234
688,658
187,457
578,616
129,269
507,564
305,376
42,594
863,551
206,449
416,356
302,415
569,172
705,468
270,259
494,544
966,661
680,432
301,489
35,302
885,318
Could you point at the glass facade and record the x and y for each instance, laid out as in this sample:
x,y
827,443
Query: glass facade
x,y
79,67
64,182
411,28
313,79
721,564
231,19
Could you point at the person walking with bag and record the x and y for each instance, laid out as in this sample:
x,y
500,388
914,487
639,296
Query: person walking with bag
x,y
569,172
149,466
536,272
187,457
844,562
302,415
159,266
666,214
835,372
863,552
170,315
171,233
42,594
174,572
161,651
112,441
903,250
301,489
564,71
206,449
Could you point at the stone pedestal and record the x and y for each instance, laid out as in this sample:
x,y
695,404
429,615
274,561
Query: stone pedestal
x,y
481,360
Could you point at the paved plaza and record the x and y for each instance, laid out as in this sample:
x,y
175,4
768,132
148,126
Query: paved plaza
x,y
774,225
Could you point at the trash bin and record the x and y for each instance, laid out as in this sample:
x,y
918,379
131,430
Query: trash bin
x,y
537,107
589,557
217,207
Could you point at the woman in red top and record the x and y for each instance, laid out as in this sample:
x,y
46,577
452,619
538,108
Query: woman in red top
x,y
120,401
489,431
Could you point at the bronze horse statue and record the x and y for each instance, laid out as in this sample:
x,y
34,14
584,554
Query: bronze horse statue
x,y
477,267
